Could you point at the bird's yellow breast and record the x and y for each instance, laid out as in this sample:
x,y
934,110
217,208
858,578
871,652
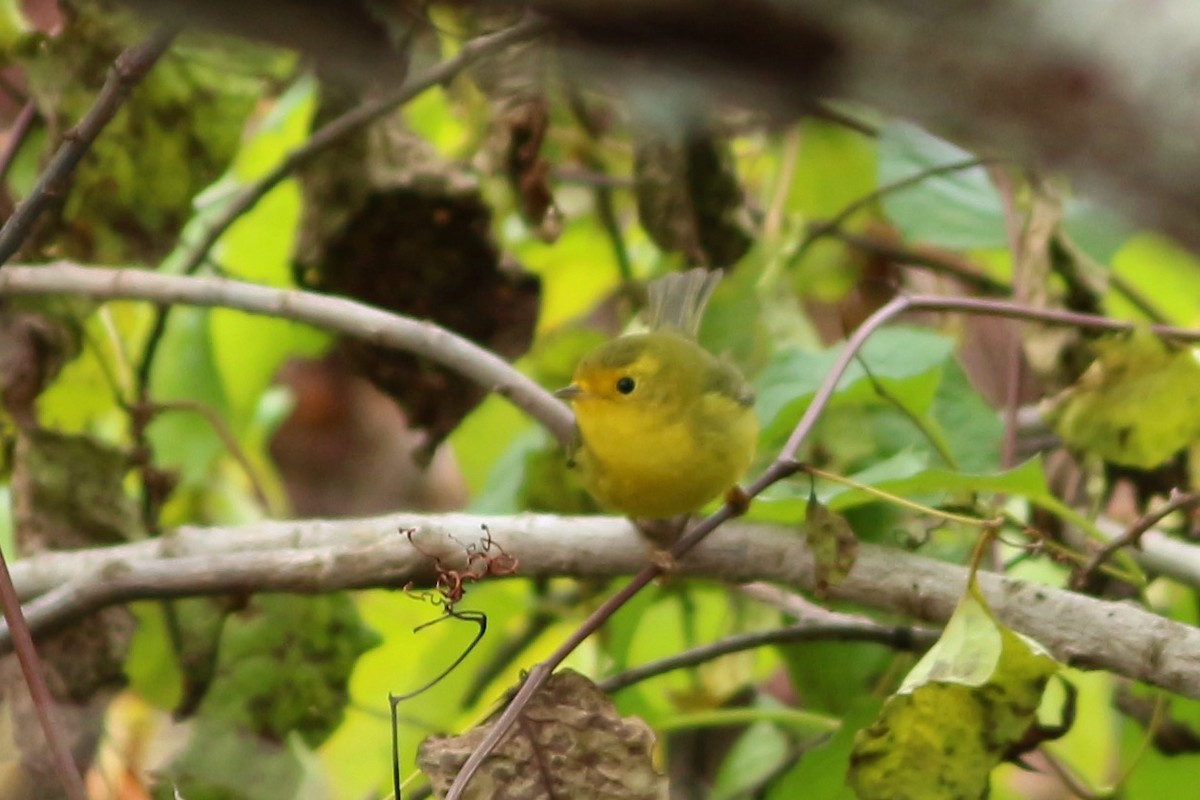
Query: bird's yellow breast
x,y
663,460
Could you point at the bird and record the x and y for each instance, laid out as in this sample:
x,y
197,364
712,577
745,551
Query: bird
x,y
663,425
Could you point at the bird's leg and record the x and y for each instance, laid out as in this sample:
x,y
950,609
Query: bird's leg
x,y
738,500
660,535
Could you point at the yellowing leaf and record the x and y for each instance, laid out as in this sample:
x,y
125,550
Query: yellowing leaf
x,y
832,543
960,710
1136,405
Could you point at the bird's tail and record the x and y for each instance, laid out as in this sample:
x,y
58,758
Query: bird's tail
x,y
678,300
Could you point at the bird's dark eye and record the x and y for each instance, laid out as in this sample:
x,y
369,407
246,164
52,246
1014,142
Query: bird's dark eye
x,y
626,385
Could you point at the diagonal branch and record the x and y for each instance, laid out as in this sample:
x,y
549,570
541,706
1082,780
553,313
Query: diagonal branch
x,y
128,70
323,311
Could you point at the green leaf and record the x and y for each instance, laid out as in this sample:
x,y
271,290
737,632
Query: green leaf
x,y
833,676
1095,230
1025,480
488,433
248,350
1164,273
358,755
81,398
958,210
803,723
821,773
1135,405
150,664
972,430
968,700
906,361
431,116
662,621
577,271
13,27
754,757
836,166
184,370
284,126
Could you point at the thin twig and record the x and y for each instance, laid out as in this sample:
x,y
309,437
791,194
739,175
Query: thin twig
x,y
1133,534
928,258
818,229
39,692
16,137
225,435
825,111
1135,297
602,190
916,420
127,71
897,637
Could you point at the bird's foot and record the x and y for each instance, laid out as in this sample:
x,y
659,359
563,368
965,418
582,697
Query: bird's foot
x,y
738,500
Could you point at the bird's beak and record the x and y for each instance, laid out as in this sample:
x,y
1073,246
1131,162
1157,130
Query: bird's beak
x,y
569,392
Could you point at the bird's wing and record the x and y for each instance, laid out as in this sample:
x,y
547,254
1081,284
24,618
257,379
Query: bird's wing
x,y
726,380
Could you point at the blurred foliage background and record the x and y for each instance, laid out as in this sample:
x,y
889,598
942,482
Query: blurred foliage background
x,y
526,208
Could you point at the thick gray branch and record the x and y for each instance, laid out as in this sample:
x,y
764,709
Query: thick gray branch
x,y
324,311
311,557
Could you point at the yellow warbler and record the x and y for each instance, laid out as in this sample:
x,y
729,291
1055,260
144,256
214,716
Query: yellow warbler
x,y
664,426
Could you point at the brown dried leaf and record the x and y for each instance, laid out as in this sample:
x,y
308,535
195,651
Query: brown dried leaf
x,y
33,348
1050,272
569,742
832,543
388,223
514,81
528,172
67,492
689,199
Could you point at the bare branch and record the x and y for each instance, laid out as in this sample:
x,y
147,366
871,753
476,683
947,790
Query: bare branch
x,y
1132,537
18,636
128,70
21,127
897,637
320,556
324,311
